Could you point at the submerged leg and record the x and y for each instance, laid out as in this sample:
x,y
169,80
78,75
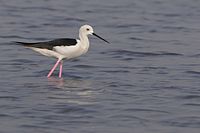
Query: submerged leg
x,y
54,67
61,66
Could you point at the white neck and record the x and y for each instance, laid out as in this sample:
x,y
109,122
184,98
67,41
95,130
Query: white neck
x,y
84,41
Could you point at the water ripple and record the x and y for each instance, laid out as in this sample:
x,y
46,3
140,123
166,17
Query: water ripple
x,y
188,97
143,54
189,121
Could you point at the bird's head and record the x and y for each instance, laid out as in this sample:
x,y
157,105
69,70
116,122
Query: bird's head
x,y
88,30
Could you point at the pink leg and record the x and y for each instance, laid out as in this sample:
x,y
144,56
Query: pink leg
x,y
54,67
61,65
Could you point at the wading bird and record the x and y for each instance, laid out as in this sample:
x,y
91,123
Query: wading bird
x,y
64,48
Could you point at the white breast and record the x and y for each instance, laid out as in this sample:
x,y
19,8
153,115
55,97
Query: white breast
x,y
70,51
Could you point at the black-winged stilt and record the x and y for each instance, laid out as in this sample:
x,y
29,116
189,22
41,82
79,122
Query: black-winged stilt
x,y
64,48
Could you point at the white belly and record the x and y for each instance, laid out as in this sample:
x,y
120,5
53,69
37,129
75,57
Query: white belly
x,y
62,52
70,51
48,53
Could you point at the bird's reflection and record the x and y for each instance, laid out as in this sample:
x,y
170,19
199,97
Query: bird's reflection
x,y
79,91
58,82
69,83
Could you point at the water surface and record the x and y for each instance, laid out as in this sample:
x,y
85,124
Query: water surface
x,y
146,81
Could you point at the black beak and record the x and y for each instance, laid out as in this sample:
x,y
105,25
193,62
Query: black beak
x,y
99,37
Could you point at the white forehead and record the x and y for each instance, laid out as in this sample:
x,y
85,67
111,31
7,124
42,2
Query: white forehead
x,y
86,27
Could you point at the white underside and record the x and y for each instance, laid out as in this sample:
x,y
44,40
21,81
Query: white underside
x,y
63,52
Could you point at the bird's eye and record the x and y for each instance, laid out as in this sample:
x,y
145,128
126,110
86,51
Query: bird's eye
x,y
87,29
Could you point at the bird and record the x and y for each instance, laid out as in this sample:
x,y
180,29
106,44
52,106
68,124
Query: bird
x,y
64,48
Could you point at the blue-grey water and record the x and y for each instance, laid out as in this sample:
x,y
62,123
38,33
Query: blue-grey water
x,y
146,81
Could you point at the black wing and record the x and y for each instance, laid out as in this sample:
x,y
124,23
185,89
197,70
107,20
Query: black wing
x,y
51,44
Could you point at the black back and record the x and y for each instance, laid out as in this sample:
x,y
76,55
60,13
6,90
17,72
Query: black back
x,y
51,44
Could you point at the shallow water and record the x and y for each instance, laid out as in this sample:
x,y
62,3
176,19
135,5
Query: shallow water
x,y
146,81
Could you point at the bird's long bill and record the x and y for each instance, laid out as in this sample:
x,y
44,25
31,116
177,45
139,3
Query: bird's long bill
x,y
100,37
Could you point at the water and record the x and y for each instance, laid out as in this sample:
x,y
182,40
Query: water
x,y
146,81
